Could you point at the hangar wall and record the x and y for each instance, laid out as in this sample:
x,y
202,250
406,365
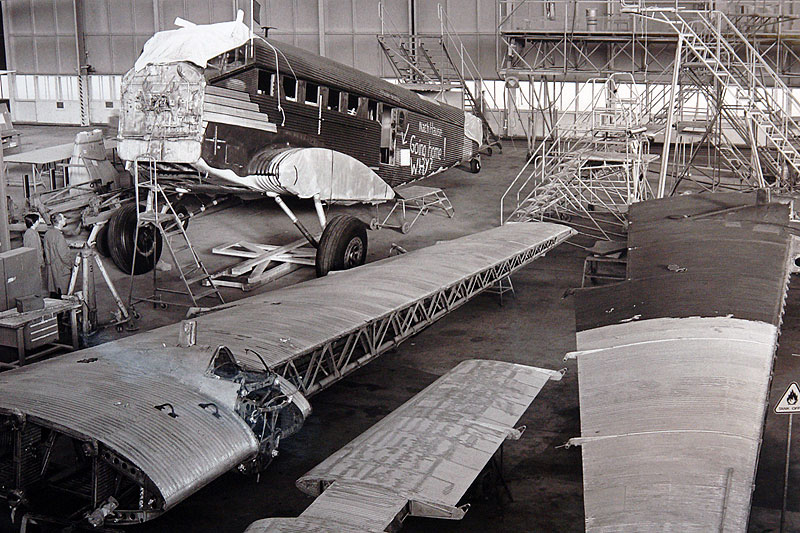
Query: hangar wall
x,y
42,39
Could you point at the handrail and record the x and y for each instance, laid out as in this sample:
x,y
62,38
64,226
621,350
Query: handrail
x,y
598,87
468,66
743,78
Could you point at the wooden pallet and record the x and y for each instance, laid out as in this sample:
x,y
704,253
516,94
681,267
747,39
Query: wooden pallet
x,y
262,263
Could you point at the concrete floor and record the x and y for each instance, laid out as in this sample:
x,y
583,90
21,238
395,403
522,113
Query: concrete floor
x,y
536,327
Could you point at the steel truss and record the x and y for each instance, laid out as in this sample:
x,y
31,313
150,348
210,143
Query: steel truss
x,y
336,358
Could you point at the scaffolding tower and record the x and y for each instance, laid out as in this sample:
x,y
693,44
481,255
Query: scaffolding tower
x,y
591,167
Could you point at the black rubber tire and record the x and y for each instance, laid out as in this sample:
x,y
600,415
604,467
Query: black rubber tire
x,y
343,245
475,165
121,231
102,241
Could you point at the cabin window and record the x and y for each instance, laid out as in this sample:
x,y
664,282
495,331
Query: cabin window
x,y
312,93
372,109
290,88
266,82
333,99
352,104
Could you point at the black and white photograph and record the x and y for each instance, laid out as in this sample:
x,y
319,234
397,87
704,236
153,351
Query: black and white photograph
x,y
362,266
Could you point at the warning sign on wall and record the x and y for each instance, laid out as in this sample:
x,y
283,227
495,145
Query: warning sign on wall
x,y
790,401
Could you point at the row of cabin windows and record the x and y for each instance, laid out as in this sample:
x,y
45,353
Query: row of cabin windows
x,y
312,94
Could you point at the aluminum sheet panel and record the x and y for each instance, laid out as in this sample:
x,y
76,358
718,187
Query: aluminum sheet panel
x,y
674,365
428,451
679,295
432,447
688,204
113,400
342,508
733,263
671,418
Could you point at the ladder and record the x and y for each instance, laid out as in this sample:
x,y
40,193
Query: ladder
x,y
591,168
736,64
161,215
438,62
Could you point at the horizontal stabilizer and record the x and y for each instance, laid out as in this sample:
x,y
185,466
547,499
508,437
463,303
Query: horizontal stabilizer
x,y
421,459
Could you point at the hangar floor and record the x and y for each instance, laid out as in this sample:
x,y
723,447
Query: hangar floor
x,y
535,327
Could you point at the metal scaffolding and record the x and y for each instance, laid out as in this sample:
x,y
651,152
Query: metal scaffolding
x,y
591,167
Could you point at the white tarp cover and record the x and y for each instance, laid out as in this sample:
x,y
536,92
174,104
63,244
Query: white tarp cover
x,y
473,128
304,172
196,43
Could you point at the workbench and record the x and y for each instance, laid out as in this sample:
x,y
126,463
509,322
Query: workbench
x,y
34,329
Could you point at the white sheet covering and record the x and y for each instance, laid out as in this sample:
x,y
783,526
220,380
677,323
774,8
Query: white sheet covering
x,y
473,128
196,43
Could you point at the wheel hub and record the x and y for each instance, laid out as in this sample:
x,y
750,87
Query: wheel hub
x,y
353,253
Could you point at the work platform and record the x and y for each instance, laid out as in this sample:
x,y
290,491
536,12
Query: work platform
x,y
161,420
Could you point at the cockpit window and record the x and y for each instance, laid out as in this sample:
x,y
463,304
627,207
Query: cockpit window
x,y
227,61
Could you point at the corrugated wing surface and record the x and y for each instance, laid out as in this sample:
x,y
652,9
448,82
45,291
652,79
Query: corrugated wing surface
x,y
674,365
342,508
113,401
429,450
285,324
112,396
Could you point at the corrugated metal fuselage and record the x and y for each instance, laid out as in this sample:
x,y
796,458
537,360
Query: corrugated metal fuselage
x,y
398,144
231,118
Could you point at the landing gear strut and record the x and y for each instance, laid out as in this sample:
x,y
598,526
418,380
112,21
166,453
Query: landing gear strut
x,y
343,243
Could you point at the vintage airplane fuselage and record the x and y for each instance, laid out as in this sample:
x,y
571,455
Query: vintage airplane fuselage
x,y
235,116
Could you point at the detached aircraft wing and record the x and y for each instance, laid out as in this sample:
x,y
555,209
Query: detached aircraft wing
x,y
159,421
675,363
422,458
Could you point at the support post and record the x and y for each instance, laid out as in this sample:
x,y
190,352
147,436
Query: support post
x,y
83,68
320,211
299,225
321,23
786,472
5,234
662,177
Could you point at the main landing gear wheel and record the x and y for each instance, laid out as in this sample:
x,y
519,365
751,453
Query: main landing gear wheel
x,y
475,165
121,232
343,245
101,243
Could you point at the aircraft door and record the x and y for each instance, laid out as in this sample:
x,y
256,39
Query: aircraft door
x,y
388,120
